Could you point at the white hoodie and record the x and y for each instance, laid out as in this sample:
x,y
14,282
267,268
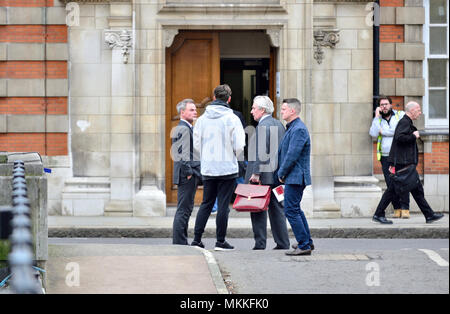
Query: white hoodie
x,y
218,137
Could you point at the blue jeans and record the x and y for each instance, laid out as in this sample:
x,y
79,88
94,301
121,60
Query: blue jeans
x,y
292,196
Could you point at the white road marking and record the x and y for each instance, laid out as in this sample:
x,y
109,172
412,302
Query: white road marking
x,y
435,257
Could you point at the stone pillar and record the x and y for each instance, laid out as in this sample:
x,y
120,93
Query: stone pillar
x,y
122,119
150,199
327,87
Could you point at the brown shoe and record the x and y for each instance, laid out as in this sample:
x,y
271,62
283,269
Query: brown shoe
x,y
295,245
298,252
405,213
397,213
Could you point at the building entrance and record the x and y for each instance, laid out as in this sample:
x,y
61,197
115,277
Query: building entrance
x,y
198,61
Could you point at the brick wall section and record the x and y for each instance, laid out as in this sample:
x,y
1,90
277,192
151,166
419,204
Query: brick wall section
x,y
437,161
50,144
33,105
33,33
392,3
392,33
35,142
33,69
391,69
26,3
398,102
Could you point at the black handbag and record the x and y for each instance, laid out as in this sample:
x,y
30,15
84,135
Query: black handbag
x,y
405,179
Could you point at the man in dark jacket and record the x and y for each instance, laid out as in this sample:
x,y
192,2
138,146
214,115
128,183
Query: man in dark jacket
x,y
186,171
404,152
262,165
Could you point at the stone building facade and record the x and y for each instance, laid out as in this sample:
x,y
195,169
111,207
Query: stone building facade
x,y
92,86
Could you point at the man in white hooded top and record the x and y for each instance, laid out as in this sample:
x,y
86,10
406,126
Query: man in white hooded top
x,y
218,139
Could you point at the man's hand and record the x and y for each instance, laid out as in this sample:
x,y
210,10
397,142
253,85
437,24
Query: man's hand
x,y
416,134
189,177
377,112
281,180
255,178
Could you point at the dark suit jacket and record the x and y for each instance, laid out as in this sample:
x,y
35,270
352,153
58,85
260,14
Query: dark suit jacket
x,y
294,154
183,154
404,149
266,165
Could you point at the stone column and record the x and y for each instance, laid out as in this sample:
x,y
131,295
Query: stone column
x,y
150,199
122,137
328,86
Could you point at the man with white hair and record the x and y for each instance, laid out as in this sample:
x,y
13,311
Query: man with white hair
x,y
404,153
261,168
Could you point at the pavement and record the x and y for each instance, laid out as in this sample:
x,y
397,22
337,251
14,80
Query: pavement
x,y
176,269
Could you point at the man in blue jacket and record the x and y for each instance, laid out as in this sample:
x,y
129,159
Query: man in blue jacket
x,y
294,172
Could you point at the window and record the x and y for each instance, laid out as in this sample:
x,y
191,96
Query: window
x,y
435,66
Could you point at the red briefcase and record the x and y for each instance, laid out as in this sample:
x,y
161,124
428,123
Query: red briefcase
x,y
252,198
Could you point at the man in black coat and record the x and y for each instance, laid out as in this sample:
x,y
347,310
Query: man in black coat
x,y
186,171
404,152
261,169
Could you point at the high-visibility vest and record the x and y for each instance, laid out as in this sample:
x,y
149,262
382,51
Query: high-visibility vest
x,y
380,138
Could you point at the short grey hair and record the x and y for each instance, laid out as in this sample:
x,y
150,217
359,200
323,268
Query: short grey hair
x,y
264,102
182,104
410,105
293,103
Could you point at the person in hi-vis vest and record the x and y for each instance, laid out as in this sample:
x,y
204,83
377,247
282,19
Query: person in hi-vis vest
x,y
383,128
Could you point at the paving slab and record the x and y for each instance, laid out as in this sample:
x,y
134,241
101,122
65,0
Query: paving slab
x,y
126,269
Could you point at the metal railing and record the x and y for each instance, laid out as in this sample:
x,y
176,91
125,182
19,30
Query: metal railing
x,y
20,259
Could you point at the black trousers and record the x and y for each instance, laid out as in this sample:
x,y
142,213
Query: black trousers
x,y
277,225
417,193
397,202
186,194
212,189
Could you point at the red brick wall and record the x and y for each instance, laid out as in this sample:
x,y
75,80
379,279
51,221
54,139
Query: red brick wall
x,y
33,33
437,161
391,69
392,33
33,105
33,69
26,3
49,144
392,3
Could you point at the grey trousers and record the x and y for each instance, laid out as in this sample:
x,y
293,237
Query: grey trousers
x,y
185,205
277,224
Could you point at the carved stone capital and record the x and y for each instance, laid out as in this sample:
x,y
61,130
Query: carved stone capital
x,y
119,39
169,36
324,38
274,35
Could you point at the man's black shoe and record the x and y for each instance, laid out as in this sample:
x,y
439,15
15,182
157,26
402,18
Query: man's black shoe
x,y
280,248
382,220
223,246
434,218
199,244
